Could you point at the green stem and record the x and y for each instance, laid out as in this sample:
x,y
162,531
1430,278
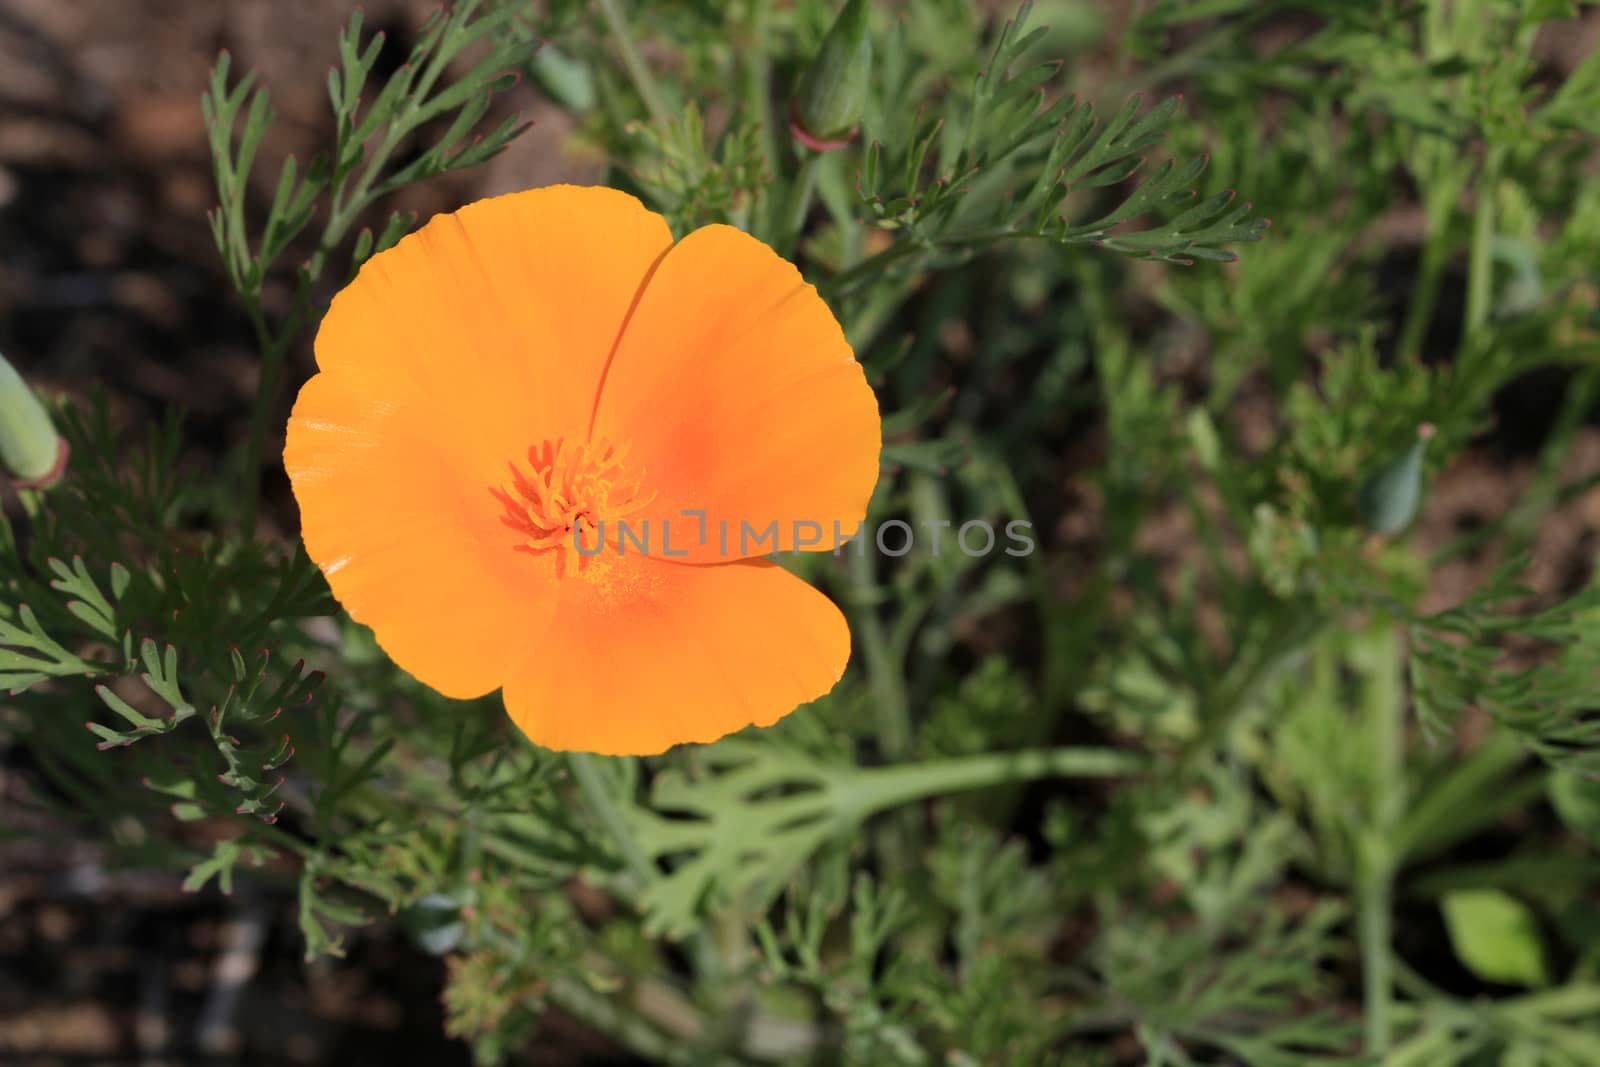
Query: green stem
x,y
883,673
1480,273
273,351
610,1016
897,842
801,192
1545,493
1377,979
1175,65
1519,523
1378,858
849,278
641,870
1223,704
348,204
882,788
346,207
1441,203
757,75
348,200
586,771
643,81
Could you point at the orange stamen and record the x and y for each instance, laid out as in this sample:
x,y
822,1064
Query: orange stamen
x,y
571,491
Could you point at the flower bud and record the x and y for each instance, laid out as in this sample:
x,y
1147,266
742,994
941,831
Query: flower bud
x,y
30,448
1390,496
826,111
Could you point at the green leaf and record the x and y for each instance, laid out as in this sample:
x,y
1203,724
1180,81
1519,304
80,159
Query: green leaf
x,y
139,720
1496,936
161,675
1576,798
120,577
220,865
184,811
752,812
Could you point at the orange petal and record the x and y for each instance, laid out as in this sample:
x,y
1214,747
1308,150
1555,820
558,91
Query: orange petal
x,y
742,399
408,546
499,316
644,654
448,357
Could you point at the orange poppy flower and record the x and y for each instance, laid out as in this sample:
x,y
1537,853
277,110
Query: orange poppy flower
x,y
532,422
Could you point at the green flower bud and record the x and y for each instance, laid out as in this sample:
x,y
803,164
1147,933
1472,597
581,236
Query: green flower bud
x,y
30,448
825,113
1390,496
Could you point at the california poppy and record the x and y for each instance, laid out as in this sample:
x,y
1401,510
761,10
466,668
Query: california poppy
x,y
507,392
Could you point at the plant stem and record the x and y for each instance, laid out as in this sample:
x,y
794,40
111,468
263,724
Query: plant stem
x,y
611,1016
1242,683
643,81
883,673
849,278
1374,895
1480,271
757,75
273,349
801,192
882,788
1440,202
1521,522
586,771
899,840
1378,859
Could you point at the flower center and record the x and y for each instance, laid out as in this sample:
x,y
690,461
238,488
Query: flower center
x,y
567,494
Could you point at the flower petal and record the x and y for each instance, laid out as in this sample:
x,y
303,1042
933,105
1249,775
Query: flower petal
x,y
742,399
447,358
644,654
408,546
499,316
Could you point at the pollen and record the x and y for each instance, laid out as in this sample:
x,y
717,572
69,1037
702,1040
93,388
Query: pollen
x,y
568,494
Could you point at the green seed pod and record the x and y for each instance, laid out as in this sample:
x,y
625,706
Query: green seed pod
x,y
833,92
1390,496
29,446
